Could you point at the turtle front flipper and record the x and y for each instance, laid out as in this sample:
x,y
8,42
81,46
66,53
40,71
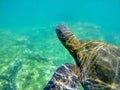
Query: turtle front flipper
x,y
69,40
66,77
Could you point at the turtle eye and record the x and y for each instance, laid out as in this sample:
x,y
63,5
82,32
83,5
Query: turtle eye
x,y
60,35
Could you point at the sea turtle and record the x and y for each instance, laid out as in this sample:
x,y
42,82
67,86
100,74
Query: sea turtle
x,y
97,64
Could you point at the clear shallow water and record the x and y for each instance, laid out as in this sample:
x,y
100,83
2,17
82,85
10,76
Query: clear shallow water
x,y
29,49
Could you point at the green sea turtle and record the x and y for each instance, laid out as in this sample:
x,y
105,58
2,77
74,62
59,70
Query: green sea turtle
x,y
97,64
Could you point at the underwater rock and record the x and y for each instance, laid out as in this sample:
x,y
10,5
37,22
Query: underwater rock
x,y
22,40
37,57
8,80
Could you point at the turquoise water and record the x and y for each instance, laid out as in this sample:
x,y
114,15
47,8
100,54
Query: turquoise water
x,y
29,49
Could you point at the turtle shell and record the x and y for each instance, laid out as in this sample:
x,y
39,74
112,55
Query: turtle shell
x,y
100,64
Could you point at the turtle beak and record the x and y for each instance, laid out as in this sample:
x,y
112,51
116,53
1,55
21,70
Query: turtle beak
x,y
61,32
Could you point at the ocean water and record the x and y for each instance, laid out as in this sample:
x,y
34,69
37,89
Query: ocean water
x,y
29,49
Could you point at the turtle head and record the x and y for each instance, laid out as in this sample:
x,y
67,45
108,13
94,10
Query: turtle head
x,y
63,33
68,39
